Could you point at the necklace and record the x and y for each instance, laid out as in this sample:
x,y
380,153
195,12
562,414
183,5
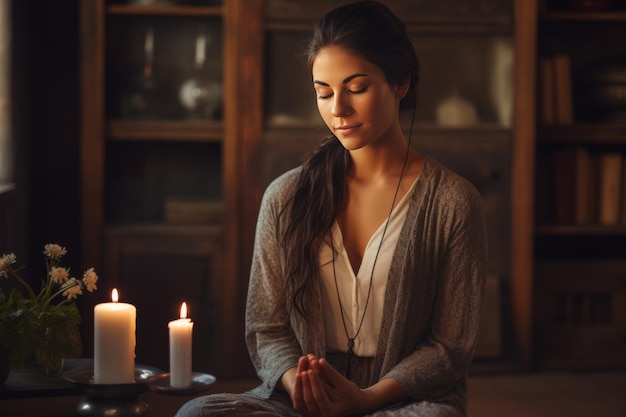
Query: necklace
x,y
351,340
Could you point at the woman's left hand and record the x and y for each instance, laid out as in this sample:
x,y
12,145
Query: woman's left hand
x,y
321,391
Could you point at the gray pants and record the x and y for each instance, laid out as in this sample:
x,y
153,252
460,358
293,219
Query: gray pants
x,y
234,405
279,404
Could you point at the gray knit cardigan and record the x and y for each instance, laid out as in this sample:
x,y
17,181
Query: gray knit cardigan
x,y
433,299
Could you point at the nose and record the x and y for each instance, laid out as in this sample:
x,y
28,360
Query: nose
x,y
341,105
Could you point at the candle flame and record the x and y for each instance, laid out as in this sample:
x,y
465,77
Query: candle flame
x,y
183,311
114,295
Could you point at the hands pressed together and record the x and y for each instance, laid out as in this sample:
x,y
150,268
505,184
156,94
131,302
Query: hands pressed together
x,y
319,390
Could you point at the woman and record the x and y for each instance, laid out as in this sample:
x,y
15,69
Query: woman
x,y
369,259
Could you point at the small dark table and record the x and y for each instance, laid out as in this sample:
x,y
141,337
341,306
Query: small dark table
x,y
29,392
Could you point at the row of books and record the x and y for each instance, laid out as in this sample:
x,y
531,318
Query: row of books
x,y
555,86
584,187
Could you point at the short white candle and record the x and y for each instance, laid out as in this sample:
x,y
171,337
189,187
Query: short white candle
x,y
180,349
114,342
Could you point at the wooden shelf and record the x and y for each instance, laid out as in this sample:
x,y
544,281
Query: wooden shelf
x,y
162,230
286,15
581,230
584,134
484,132
165,10
182,130
585,16
423,27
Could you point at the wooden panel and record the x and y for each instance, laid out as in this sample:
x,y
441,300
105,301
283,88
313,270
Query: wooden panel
x,y
165,130
580,313
584,134
493,12
522,175
250,105
581,348
143,178
242,118
92,128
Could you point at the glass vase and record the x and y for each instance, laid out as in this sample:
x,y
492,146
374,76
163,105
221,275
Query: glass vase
x,y
58,343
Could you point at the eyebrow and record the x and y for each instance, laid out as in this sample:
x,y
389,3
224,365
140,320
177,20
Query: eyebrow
x,y
345,81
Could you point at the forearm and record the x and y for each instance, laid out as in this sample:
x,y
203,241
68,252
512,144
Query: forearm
x,y
288,381
385,392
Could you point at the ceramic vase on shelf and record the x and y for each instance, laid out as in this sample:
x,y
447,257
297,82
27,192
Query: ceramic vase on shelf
x,y
141,102
456,111
199,94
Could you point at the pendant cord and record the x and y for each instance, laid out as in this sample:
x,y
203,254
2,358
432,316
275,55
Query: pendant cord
x,y
369,291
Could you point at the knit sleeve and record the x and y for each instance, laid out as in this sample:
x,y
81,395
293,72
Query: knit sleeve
x,y
437,366
271,342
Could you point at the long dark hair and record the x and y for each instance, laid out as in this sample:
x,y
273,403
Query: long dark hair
x,y
371,30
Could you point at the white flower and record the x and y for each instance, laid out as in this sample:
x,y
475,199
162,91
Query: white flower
x,y
72,289
54,251
59,275
89,279
5,262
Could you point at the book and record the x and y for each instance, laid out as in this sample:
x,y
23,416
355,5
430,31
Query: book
x,y
563,89
564,184
585,186
543,188
547,91
610,187
623,199
574,190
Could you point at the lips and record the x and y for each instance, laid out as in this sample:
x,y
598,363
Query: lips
x,y
347,129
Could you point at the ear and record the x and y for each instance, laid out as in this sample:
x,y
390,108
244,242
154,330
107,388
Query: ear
x,y
403,88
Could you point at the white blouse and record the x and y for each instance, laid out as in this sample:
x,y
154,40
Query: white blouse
x,y
353,288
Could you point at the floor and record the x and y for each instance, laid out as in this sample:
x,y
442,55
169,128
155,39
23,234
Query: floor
x,y
554,394
548,395
512,395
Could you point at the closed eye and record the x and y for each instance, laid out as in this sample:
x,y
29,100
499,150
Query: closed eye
x,y
359,91
323,96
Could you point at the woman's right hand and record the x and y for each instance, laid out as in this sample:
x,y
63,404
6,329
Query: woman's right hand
x,y
321,391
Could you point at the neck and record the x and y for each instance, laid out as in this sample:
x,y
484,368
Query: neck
x,y
384,158
380,164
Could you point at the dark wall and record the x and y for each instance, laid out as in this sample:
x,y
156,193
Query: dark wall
x,y
45,91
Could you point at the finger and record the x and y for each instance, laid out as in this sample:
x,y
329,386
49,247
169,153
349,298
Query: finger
x,y
309,400
315,366
327,372
303,364
322,400
296,396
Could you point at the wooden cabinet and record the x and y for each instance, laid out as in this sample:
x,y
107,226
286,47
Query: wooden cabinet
x,y
170,198
580,187
159,170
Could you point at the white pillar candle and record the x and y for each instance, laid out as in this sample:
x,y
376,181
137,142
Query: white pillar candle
x,y
180,349
114,342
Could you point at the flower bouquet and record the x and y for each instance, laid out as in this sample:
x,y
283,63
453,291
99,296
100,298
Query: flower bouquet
x,y
41,325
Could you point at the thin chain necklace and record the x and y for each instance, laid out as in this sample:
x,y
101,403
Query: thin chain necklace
x,y
350,351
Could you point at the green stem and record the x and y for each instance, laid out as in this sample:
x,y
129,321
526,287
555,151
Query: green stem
x,y
31,293
59,292
47,284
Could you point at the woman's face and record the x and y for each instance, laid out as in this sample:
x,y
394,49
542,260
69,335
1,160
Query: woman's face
x,y
353,97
